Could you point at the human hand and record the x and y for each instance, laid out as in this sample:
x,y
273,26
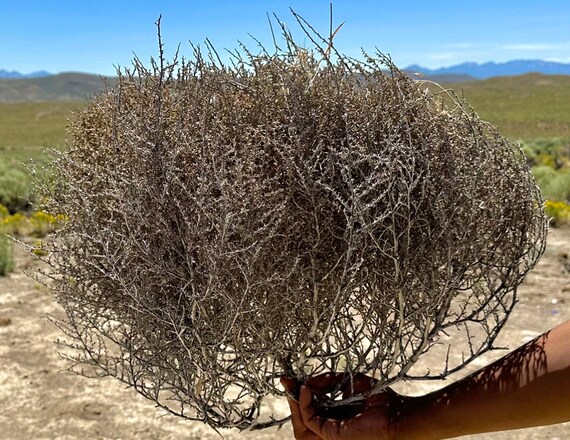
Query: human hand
x,y
370,421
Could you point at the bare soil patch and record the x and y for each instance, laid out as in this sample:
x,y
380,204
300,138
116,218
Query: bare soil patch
x,y
38,400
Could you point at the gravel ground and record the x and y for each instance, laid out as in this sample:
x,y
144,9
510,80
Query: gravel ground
x,y
40,401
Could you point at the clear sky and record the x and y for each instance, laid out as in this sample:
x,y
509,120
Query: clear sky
x,y
96,35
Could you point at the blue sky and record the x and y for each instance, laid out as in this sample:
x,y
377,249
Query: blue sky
x,y
95,36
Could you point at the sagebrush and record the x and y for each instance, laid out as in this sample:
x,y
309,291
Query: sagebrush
x,y
287,213
6,254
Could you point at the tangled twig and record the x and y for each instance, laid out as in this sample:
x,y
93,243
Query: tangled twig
x,y
283,216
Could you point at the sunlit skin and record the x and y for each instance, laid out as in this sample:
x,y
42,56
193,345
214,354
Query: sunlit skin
x,y
528,387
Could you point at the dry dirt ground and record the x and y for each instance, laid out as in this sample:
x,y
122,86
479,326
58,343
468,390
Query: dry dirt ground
x,y
40,401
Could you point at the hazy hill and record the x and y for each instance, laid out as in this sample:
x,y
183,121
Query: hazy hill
x,y
527,106
445,78
69,86
491,69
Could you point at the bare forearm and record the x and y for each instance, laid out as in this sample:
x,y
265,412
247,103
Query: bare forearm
x,y
528,387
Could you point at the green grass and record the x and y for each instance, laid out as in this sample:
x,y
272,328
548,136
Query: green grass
x,y
534,108
26,130
528,107
523,107
67,86
35,124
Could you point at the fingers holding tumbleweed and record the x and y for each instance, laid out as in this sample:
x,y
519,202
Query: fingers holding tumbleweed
x,y
371,420
359,384
300,430
308,412
349,384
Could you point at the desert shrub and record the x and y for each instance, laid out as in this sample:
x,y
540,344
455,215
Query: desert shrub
x,y
37,224
290,214
43,223
551,160
16,224
550,146
4,212
543,174
15,186
552,152
6,255
556,186
544,159
559,212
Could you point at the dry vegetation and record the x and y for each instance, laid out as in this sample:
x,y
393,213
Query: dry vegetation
x,y
293,213
40,401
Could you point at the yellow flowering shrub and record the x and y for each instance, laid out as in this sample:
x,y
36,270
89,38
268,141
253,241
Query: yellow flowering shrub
x,y
43,223
16,224
4,211
38,224
559,212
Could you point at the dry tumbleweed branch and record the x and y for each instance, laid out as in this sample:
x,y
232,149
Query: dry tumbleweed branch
x,y
288,214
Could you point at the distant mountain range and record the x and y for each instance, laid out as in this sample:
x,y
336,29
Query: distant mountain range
x,y
5,74
72,86
464,70
491,69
